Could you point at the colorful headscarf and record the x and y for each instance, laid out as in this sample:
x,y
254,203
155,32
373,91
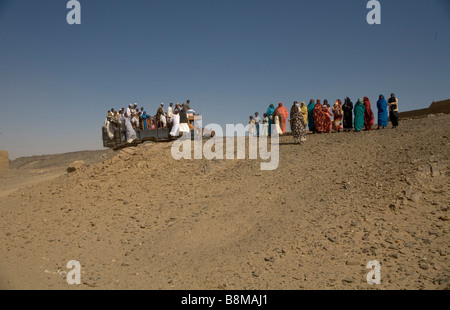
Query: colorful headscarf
x,y
270,110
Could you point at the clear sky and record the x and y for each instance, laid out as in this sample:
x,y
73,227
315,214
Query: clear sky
x,y
230,58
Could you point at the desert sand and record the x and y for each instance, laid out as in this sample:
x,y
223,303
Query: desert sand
x,y
138,219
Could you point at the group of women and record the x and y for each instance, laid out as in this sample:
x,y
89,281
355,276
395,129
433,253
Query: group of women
x,y
346,117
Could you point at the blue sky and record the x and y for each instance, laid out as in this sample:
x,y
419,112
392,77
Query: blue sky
x,y
230,58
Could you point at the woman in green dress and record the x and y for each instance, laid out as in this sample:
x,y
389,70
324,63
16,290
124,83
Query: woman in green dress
x,y
359,110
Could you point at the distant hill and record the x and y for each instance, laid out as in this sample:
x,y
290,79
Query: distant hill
x,y
435,107
60,160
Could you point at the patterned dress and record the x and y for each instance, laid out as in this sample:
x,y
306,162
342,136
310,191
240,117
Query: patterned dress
x,y
337,112
297,124
319,121
326,115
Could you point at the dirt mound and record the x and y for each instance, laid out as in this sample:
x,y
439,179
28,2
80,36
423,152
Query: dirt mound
x,y
435,108
142,220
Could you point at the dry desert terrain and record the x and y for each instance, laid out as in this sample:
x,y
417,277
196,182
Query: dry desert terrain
x,y
138,219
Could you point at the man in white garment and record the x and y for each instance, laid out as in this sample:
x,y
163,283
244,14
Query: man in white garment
x,y
169,113
108,126
128,112
135,121
160,114
135,116
257,122
132,110
130,133
175,132
122,128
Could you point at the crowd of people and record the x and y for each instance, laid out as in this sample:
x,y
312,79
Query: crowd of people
x,y
322,118
316,117
133,118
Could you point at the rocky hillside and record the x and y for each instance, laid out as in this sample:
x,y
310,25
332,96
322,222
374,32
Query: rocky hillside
x,y
142,220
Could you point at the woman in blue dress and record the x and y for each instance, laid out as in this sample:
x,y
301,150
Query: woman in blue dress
x,y
383,116
269,113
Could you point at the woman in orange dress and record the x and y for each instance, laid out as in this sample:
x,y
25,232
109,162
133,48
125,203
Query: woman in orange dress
x,y
283,112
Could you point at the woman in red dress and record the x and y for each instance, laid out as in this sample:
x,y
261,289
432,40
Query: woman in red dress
x,y
318,117
328,125
368,115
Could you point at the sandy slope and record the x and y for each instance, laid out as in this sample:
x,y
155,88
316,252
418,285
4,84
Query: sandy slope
x,y
27,171
141,220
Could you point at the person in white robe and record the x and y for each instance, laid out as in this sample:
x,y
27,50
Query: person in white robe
x,y
277,122
170,113
135,120
163,120
130,133
265,126
128,112
175,132
251,126
122,128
